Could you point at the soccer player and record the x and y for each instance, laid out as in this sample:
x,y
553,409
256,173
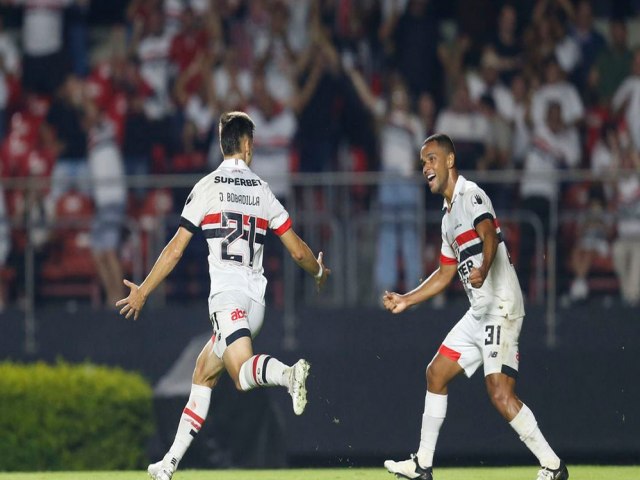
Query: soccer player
x,y
234,208
488,332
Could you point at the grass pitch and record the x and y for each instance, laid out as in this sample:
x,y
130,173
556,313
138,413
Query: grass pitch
x,y
484,473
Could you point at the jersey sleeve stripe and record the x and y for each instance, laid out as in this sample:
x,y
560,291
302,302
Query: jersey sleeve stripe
x,y
482,217
262,223
282,229
211,218
188,225
446,260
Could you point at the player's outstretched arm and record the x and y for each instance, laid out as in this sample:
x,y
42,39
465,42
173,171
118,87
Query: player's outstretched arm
x,y
304,257
164,265
436,283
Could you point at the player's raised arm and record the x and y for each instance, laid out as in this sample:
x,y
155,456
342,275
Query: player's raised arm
x,y
164,265
436,283
304,257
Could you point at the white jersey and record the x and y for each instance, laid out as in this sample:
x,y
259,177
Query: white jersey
x,y
500,293
234,208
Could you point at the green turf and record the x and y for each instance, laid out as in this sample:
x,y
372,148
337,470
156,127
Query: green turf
x,y
502,473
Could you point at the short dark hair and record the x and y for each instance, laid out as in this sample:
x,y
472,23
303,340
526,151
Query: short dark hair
x,y
443,140
232,128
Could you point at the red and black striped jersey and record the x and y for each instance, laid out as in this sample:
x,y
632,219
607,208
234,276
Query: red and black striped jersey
x,y
234,208
500,294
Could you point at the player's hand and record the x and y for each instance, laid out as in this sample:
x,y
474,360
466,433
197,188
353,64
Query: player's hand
x,y
476,277
325,272
394,302
133,303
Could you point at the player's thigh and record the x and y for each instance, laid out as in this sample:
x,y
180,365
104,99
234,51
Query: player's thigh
x,y
461,344
441,371
208,366
242,349
229,313
499,341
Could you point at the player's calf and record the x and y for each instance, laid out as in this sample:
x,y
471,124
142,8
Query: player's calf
x,y
262,371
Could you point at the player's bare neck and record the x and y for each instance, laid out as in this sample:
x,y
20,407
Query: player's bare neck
x,y
450,188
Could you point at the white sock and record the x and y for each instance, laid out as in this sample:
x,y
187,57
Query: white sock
x,y
193,416
435,410
525,425
262,371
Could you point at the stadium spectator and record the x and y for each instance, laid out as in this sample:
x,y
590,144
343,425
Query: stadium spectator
x,y
110,198
63,128
175,9
427,113
547,37
452,57
488,82
276,54
626,246
589,40
44,62
507,44
556,89
592,240
497,150
520,122
554,146
626,101
77,35
614,61
401,133
195,96
236,302
151,44
191,41
317,104
9,70
468,127
416,36
232,81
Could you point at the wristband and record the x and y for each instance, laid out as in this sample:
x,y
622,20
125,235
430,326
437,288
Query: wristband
x,y
318,275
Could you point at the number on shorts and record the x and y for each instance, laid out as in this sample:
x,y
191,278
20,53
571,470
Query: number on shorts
x,y
492,333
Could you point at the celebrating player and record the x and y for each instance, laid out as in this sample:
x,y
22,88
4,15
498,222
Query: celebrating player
x,y
488,332
233,207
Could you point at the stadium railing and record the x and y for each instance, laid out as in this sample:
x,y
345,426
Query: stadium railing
x,y
334,212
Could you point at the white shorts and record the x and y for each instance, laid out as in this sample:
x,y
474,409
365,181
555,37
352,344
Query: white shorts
x,y
233,315
491,340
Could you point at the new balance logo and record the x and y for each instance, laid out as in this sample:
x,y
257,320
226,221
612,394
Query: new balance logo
x,y
238,314
493,354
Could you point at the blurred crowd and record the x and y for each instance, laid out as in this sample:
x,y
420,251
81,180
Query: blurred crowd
x,y
332,85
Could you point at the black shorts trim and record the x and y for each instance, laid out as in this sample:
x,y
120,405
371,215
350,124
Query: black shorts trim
x,y
509,371
242,332
188,225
